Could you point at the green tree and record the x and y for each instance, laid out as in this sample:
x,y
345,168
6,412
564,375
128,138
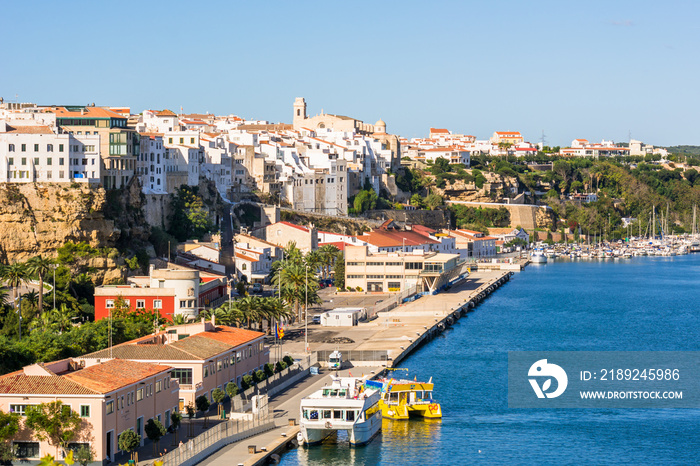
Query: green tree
x,y
15,275
40,266
175,422
155,431
218,396
84,455
339,271
129,441
54,422
433,201
189,409
231,390
417,201
9,426
202,403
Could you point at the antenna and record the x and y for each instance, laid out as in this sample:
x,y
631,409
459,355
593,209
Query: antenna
x,y
542,139
629,134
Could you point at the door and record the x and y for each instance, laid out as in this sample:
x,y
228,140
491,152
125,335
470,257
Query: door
x,y
139,428
109,445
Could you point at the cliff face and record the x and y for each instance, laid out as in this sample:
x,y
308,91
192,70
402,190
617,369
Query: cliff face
x,y
40,218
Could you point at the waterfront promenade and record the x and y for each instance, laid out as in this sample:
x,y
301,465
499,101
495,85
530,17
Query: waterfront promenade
x,y
396,332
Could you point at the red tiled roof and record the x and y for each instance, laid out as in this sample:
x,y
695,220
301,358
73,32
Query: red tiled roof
x,y
36,129
338,244
293,225
439,131
88,112
392,238
245,258
231,335
166,112
18,383
114,374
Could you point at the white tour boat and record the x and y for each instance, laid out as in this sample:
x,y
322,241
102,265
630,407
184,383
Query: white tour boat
x,y
345,404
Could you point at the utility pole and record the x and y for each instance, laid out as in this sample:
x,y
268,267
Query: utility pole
x,y
306,311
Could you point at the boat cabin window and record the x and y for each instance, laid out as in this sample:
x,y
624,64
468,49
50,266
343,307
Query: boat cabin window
x,y
306,414
326,392
428,396
337,414
313,414
334,392
394,396
342,393
326,414
350,416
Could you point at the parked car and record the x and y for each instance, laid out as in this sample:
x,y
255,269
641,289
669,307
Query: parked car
x,y
257,287
316,319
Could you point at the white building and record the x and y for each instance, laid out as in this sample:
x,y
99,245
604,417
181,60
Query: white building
x,y
38,153
151,165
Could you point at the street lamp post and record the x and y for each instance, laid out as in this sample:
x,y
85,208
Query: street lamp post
x,y
54,267
306,311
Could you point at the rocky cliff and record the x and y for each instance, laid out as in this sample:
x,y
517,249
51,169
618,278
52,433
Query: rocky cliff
x,y
39,218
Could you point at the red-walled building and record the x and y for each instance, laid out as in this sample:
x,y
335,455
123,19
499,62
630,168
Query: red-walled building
x,y
170,292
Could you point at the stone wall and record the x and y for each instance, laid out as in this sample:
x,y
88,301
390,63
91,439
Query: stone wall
x,y
428,218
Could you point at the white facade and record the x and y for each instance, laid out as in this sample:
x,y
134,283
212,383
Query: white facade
x,y
38,154
151,164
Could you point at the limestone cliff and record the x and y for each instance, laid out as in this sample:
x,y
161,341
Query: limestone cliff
x,y
38,218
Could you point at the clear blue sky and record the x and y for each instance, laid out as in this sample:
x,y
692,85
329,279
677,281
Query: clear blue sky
x,y
590,69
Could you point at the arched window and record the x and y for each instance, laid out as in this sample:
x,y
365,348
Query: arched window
x,y
244,266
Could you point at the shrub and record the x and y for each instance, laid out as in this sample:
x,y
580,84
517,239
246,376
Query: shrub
x,y
259,376
247,381
269,369
359,288
280,366
288,359
231,389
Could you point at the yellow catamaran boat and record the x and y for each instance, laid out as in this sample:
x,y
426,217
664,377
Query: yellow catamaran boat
x,y
402,399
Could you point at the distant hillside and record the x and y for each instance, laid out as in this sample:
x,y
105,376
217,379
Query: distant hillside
x,y
685,150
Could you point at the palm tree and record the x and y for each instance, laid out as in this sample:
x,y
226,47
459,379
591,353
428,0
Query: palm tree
x,y
292,252
328,254
32,298
314,260
15,275
61,318
40,266
3,296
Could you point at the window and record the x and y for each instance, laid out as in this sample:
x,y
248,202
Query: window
x,y
109,303
159,385
84,410
140,304
157,304
26,449
11,148
206,371
24,148
61,160
182,140
19,409
191,140
24,160
139,394
36,147
11,160
183,303
49,147
184,376
218,366
60,147
170,140
110,407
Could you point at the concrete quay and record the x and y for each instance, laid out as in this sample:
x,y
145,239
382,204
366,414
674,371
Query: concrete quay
x,y
397,332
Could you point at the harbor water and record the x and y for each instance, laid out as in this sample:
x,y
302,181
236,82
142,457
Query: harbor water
x,y
639,304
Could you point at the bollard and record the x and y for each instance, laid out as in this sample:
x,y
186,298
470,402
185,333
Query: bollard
x,y
292,421
252,449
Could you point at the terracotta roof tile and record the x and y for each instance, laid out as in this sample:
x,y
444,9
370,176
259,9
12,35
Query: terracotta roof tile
x,y
232,336
35,129
114,374
18,383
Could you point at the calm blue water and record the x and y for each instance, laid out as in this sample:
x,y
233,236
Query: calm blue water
x,y
635,305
